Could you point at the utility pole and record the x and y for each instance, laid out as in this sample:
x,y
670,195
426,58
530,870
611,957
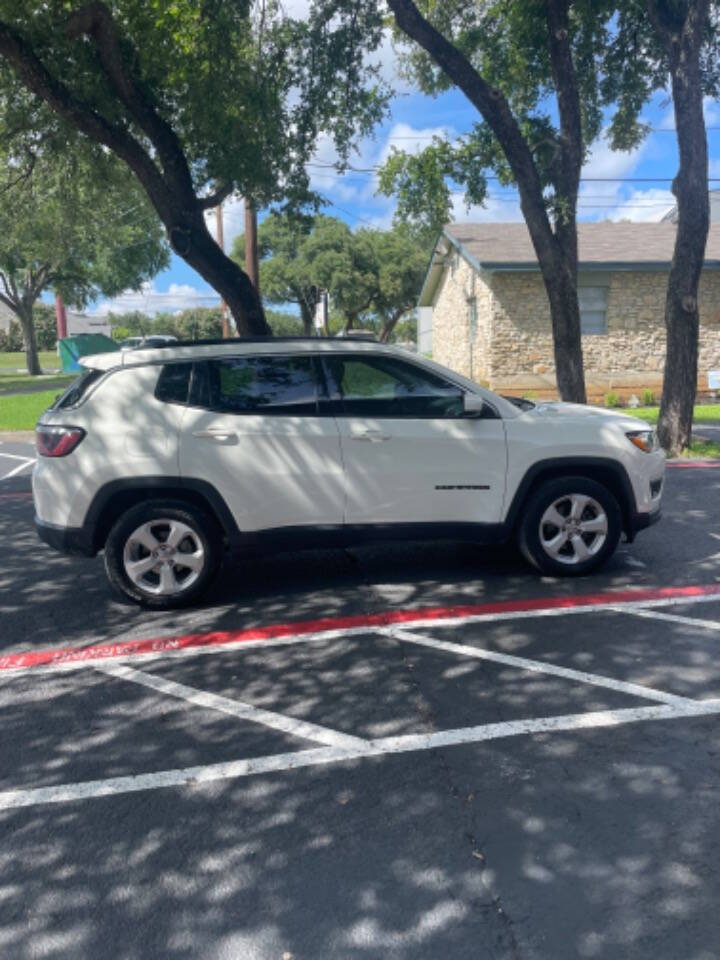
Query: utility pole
x,y
221,244
60,317
252,264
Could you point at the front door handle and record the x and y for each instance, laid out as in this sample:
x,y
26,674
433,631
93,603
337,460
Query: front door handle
x,y
371,436
214,433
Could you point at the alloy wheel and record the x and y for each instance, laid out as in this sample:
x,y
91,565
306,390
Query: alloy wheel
x,y
573,529
164,557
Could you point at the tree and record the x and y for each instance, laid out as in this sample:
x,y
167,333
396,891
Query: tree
x,y
682,28
373,276
402,260
509,58
199,100
284,276
76,223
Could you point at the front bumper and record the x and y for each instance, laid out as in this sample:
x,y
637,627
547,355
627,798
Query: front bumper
x,y
76,541
641,521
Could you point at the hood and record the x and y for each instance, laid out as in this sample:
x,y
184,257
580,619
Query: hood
x,y
578,411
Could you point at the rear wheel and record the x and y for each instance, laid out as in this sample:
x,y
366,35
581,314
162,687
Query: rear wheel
x,y
162,554
570,526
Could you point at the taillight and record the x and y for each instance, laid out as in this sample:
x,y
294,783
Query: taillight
x,y
57,441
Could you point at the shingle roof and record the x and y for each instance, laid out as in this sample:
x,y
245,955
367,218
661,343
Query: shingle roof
x,y
498,245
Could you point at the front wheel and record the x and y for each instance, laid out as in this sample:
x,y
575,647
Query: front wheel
x,y
162,554
570,526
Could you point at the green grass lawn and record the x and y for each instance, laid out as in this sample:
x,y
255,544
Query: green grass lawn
x,y
704,412
11,384
21,413
702,449
10,363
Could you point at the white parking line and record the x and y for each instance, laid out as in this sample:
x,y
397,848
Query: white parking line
x,y
234,769
538,666
27,463
713,625
235,708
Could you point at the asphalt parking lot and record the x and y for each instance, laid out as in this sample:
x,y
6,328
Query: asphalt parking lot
x,y
414,751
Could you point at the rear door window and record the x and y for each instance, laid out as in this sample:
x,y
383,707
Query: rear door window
x,y
78,389
173,383
274,386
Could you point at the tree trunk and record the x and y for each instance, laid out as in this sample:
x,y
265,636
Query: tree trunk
x,y
192,241
561,286
390,324
556,250
25,315
307,318
691,189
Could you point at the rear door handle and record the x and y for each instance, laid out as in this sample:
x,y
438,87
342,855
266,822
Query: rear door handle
x,y
371,436
214,433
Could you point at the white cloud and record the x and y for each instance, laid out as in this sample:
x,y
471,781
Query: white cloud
x,y
148,299
233,221
643,206
359,185
497,209
610,199
711,113
411,139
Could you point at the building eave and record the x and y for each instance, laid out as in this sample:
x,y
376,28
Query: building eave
x,y
636,266
437,266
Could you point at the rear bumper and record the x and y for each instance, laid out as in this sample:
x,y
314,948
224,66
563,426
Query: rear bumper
x,y
76,541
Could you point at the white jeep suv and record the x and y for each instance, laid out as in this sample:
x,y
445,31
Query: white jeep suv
x,y
165,458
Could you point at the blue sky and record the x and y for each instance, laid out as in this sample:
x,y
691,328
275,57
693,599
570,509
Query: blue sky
x,y
641,192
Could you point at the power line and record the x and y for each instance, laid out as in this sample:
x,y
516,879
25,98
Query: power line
x,y
329,166
435,136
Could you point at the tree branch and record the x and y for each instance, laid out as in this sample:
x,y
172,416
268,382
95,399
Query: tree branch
x,y
493,106
40,281
215,199
13,289
568,96
21,177
7,297
96,21
35,76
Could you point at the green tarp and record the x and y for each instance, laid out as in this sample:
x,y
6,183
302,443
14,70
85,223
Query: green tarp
x,y
83,345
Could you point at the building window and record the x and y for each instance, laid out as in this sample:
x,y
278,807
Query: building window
x,y
593,310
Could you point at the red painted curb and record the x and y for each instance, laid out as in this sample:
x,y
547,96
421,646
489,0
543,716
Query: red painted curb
x,y
159,644
694,465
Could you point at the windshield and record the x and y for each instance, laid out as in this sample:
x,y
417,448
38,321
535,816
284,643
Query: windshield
x,y
522,403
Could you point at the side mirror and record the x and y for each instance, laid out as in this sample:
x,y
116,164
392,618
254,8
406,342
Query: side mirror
x,y
473,405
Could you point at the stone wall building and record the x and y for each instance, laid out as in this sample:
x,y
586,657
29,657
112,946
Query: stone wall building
x,y
484,300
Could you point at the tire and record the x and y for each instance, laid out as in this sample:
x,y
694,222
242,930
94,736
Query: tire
x,y
569,526
182,569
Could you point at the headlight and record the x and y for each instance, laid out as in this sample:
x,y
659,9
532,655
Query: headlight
x,y
645,440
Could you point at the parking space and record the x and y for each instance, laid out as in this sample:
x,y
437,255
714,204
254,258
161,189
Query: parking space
x,y
409,752
16,459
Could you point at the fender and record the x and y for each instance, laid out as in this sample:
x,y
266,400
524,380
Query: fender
x,y
97,521
595,468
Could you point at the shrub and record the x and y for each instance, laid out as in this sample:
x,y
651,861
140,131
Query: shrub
x,y
11,341
612,400
45,326
648,398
